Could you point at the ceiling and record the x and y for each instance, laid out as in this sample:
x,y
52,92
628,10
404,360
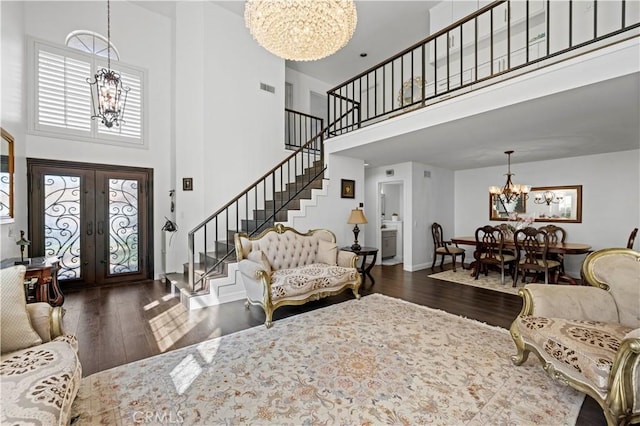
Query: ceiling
x,y
569,124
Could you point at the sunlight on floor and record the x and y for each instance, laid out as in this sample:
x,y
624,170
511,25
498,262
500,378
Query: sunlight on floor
x,y
169,326
185,373
209,348
151,305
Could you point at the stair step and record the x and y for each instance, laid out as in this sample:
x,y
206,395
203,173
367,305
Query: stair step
x,y
291,205
305,193
181,282
281,216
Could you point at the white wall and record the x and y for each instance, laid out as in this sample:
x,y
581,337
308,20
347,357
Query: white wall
x,y
228,131
13,117
303,85
333,211
610,197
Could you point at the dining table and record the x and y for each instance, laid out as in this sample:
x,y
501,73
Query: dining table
x,y
558,247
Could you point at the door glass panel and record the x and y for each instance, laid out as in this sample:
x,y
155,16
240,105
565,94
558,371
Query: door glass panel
x,y
62,223
123,226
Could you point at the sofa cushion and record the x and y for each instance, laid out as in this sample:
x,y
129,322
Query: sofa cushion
x,y
452,250
16,331
259,257
40,383
289,249
309,279
40,316
587,347
327,253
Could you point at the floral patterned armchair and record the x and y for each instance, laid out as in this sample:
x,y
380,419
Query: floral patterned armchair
x,y
39,371
588,337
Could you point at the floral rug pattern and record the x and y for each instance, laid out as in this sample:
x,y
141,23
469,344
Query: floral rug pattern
x,y
491,281
376,360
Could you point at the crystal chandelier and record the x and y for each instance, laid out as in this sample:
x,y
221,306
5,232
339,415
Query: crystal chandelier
x,y
510,192
301,30
107,89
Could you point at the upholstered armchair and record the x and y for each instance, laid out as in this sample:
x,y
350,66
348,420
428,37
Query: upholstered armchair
x,y
588,337
39,370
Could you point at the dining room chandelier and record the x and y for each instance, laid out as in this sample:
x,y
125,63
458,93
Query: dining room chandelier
x,y
301,30
510,192
107,90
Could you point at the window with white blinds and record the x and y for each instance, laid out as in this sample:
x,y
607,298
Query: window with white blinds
x,y
63,97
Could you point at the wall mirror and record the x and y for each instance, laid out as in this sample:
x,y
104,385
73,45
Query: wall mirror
x,y
556,203
544,203
6,177
500,210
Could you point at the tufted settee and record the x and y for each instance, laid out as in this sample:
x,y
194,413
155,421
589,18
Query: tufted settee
x,y
282,266
589,336
39,371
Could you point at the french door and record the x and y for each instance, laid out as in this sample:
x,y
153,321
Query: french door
x,y
96,218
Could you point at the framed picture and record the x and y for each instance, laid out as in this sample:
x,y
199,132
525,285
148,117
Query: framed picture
x,y
348,188
187,184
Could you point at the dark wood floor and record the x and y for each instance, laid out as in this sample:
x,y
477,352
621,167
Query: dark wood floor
x,y
120,324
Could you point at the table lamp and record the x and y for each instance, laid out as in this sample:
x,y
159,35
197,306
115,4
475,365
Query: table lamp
x,y
356,217
22,242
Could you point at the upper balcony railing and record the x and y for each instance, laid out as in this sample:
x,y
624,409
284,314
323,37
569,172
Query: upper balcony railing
x,y
499,38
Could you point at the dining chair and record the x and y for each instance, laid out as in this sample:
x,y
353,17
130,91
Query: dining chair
x,y
443,248
556,235
489,251
508,236
632,238
532,247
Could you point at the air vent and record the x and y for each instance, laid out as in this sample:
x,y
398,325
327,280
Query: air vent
x,y
267,88
389,172
427,173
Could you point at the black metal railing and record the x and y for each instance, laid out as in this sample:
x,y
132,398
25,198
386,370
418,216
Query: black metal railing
x,y
499,38
256,208
299,128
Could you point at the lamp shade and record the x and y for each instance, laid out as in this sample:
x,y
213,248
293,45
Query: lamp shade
x,y
357,217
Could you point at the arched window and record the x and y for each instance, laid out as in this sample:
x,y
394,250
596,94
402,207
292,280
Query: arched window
x,y
90,42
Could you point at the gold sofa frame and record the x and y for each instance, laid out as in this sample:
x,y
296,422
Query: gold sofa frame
x,y
266,303
620,398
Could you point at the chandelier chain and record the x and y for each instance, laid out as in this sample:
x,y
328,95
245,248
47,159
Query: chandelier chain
x,y
108,34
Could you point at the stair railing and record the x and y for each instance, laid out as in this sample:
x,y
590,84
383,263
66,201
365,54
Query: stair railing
x,y
257,207
499,38
299,128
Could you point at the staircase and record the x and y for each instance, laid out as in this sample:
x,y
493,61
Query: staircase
x,y
216,268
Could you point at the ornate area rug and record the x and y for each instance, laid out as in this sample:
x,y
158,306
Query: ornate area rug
x,y
491,281
377,360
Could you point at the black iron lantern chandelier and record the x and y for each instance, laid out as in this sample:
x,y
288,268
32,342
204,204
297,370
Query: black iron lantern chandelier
x,y
108,95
